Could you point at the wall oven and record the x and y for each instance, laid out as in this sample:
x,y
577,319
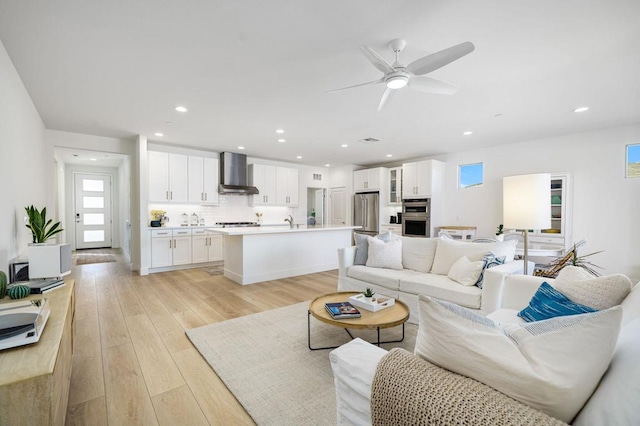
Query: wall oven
x,y
416,217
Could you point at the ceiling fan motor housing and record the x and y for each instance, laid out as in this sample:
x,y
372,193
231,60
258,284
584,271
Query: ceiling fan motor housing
x,y
397,79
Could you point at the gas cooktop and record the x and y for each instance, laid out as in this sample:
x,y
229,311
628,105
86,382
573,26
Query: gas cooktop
x,y
237,224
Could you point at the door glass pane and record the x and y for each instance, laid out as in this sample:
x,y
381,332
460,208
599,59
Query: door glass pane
x,y
93,218
93,236
92,185
93,202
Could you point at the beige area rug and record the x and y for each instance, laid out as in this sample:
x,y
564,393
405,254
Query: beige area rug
x,y
88,258
264,360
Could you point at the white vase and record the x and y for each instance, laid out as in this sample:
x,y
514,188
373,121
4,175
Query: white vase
x,y
500,237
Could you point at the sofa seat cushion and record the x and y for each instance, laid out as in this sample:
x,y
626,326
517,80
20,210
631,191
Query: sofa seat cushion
x,y
387,278
506,316
443,288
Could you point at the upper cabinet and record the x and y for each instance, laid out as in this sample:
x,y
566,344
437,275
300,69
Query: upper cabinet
x,y
421,178
287,186
368,179
203,180
167,177
395,186
278,186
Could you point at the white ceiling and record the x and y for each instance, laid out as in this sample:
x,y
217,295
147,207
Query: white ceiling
x,y
244,69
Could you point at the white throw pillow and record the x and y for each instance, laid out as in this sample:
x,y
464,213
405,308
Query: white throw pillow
x,y
466,272
552,365
615,401
384,254
448,251
596,292
418,253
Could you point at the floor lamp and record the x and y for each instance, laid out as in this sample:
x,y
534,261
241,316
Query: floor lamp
x,y
526,203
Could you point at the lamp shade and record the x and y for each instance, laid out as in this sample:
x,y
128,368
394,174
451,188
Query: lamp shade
x,y
527,201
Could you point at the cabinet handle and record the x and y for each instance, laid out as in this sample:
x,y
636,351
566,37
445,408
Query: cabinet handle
x,y
171,195
206,197
167,196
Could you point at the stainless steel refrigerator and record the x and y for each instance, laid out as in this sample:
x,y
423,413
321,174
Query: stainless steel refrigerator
x,y
366,211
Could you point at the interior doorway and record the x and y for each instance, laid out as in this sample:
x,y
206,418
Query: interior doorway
x,y
316,206
92,210
338,198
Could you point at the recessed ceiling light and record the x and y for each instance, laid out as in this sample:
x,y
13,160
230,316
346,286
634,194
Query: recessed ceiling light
x,y
241,147
279,131
581,109
299,157
168,122
389,155
344,145
498,114
159,134
180,108
327,165
467,133
75,155
282,140
93,159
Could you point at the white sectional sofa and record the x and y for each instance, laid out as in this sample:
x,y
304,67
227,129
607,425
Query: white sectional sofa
x,y
613,402
426,263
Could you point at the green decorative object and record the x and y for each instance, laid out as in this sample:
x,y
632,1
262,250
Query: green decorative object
x,y
41,228
19,291
3,284
368,292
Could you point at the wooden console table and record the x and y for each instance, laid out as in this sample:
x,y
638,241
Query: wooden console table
x,y
34,379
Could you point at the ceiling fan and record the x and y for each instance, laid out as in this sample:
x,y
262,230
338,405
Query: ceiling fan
x,y
397,76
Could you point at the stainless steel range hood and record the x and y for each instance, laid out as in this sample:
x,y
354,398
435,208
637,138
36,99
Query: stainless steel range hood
x,y
233,174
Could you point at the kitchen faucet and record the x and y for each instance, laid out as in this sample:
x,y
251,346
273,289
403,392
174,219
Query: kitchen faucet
x,y
290,220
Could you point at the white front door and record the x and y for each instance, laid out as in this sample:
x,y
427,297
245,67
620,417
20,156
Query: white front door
x,y
92,210
338,206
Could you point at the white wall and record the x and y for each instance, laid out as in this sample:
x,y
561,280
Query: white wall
x,y
27,171
606,205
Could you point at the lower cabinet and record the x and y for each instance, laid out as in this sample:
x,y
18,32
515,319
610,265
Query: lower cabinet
x,y
206,246
175,247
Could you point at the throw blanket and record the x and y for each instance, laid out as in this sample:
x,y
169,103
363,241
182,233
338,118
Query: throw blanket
x,y
408,390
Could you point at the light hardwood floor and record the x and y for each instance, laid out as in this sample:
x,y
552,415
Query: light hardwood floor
x,y
133,363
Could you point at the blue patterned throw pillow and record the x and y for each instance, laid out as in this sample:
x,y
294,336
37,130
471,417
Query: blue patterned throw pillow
x,y
490,260
549,303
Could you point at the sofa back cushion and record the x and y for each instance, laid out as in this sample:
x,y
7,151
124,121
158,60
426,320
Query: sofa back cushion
x,y
631,305
552,365
418,253
384,254
448,251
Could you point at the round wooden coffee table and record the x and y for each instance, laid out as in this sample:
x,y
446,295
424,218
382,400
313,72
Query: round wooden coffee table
x,y
393,316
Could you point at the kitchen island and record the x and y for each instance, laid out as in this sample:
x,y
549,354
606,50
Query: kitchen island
x,y
257,254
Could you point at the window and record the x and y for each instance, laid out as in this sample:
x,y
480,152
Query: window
x,y
470,175
633,160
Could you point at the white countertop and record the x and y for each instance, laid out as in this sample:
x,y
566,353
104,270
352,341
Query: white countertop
x,y
152,228
263,230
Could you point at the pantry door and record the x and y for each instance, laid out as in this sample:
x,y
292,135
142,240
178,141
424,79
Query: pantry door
x,y
92,210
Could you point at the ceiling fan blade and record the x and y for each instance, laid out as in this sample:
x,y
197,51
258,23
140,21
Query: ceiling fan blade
x,y
380,80
431,85
388,94
439,59
376,60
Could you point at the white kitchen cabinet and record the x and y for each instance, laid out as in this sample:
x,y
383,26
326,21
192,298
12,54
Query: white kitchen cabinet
x,y
263,177
395,186
170,247
206,246
368,179
420,178
167,177
287,186
203,180
161,248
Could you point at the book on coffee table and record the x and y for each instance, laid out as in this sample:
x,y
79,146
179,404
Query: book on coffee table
x,y
342,310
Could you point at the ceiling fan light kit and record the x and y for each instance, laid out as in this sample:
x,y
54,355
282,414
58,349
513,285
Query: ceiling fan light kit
x,y
397,76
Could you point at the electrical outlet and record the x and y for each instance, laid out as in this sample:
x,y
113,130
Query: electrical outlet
x,y
457,218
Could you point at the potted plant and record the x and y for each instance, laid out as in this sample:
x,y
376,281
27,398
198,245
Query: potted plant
x,y
368,293
41,228
500,233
